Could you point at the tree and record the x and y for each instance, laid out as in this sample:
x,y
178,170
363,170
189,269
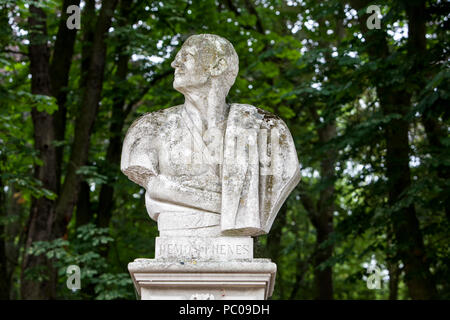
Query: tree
x,y
367,110
48,219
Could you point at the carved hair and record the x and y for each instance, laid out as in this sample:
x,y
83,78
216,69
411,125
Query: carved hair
x,y
212,49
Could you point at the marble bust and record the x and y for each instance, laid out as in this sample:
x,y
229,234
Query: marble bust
x,y
210,168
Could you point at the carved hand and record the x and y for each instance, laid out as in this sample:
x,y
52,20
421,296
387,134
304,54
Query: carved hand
x,y
172,190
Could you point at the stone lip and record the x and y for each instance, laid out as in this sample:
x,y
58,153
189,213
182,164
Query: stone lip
x,y
243,279
152,265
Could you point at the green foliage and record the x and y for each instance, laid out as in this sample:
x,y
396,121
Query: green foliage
x,y
83,250
91,175
308,62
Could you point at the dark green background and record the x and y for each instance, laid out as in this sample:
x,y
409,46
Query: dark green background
x,y
368,110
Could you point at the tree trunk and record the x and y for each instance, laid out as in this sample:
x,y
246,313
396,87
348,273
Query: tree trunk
x,y
323,277
88,28
106,198
41,215
47,79
394,276
89,18
408,236
84,213
59,75
85,120
417,50
84,207
322,212
392,265
410,247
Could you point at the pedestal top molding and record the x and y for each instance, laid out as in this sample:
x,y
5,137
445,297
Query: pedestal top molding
x,y
243,280
215,175
143,265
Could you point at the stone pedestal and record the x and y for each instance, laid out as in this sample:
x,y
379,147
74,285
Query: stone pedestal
x,y
203,280
219,268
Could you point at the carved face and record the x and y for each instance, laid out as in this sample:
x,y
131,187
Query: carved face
x,y
189,69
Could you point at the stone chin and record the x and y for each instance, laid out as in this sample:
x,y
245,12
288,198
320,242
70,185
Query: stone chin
x,y
183,84
178,84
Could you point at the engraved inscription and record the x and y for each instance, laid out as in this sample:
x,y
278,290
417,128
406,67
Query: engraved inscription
x,y
207,248
204,250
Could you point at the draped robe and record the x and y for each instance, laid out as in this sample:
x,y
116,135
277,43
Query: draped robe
x,y
235,187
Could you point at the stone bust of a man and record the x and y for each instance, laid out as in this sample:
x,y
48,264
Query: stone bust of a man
x,y
210,168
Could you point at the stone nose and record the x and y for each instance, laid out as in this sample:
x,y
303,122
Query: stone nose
x,y
175,63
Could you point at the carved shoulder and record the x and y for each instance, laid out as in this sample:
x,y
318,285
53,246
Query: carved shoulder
x,y
141,144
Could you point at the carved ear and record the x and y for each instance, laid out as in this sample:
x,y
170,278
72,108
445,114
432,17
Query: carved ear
x,y
219,67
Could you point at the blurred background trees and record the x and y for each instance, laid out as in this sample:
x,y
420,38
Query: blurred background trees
x,y
368,110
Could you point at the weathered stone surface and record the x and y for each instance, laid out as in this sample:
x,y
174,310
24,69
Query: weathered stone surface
x,y
250,280
189,224
204,248
225,168
215,175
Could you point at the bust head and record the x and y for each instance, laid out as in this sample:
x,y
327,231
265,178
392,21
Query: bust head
x,y
202,59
